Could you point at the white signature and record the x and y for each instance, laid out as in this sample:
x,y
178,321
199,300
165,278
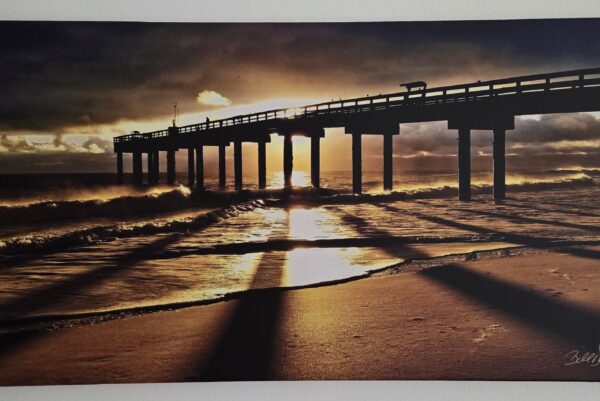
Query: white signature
x,y
577,357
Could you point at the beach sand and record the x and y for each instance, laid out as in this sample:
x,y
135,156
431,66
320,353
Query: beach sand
x,y
511,318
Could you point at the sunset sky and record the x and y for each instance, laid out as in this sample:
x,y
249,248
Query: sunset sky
x,y
69,88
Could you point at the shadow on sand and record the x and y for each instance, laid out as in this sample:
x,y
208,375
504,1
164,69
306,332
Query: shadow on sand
x,y
574,323
246,348
577,324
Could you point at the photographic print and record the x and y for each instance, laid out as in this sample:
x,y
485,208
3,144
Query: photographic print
x,y
190,202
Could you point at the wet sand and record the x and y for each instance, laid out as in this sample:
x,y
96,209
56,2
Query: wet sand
x,y
513,318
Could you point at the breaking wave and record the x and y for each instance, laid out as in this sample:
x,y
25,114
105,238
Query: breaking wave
x,y
32,244
122,206
181,198
451,191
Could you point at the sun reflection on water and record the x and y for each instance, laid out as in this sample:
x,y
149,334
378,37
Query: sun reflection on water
x,y
299,179
313,265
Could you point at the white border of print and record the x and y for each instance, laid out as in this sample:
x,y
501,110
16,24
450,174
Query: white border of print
x,y
292,10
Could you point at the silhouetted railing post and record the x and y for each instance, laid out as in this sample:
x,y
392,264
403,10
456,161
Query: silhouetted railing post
x,y
222,167
499,163
137,168
388,160
262,165
237,164
464,164
315,160
356,163
199,167
120,167
191,168
170,167
288,160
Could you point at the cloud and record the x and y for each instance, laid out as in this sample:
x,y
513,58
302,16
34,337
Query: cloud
x,y
553,133
57,162
23,145
18,145
98,145
65,74
212,98
59,145
556,128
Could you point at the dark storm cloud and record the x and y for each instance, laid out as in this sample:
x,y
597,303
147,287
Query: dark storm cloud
x,y
57,75
558,127
554,133
553,141
57,162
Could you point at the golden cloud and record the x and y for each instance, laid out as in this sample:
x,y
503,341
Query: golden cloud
x,y
212,98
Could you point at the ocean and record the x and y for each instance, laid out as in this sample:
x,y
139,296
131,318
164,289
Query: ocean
x,y
76,246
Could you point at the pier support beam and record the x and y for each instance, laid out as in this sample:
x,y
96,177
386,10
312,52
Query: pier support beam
x,y
137,168
170,167
222,168
315,160
237,164
499,151
388,166
464,164
262,165
356,163
200,168
120,167
191,168
288,160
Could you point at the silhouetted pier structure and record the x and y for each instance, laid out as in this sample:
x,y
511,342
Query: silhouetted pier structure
x,y
489,105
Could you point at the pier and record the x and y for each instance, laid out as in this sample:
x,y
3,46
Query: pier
x,y
490,105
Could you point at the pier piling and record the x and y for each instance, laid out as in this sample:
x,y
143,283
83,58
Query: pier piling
x,y
137,168
288,160
262,165
499,150
315,160
150,163
388,161
156,167
464,164
191,168
200,167
237,164
120,167
356,163
222,167
170,167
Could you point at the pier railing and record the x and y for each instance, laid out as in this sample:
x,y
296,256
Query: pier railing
x,y
462,93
